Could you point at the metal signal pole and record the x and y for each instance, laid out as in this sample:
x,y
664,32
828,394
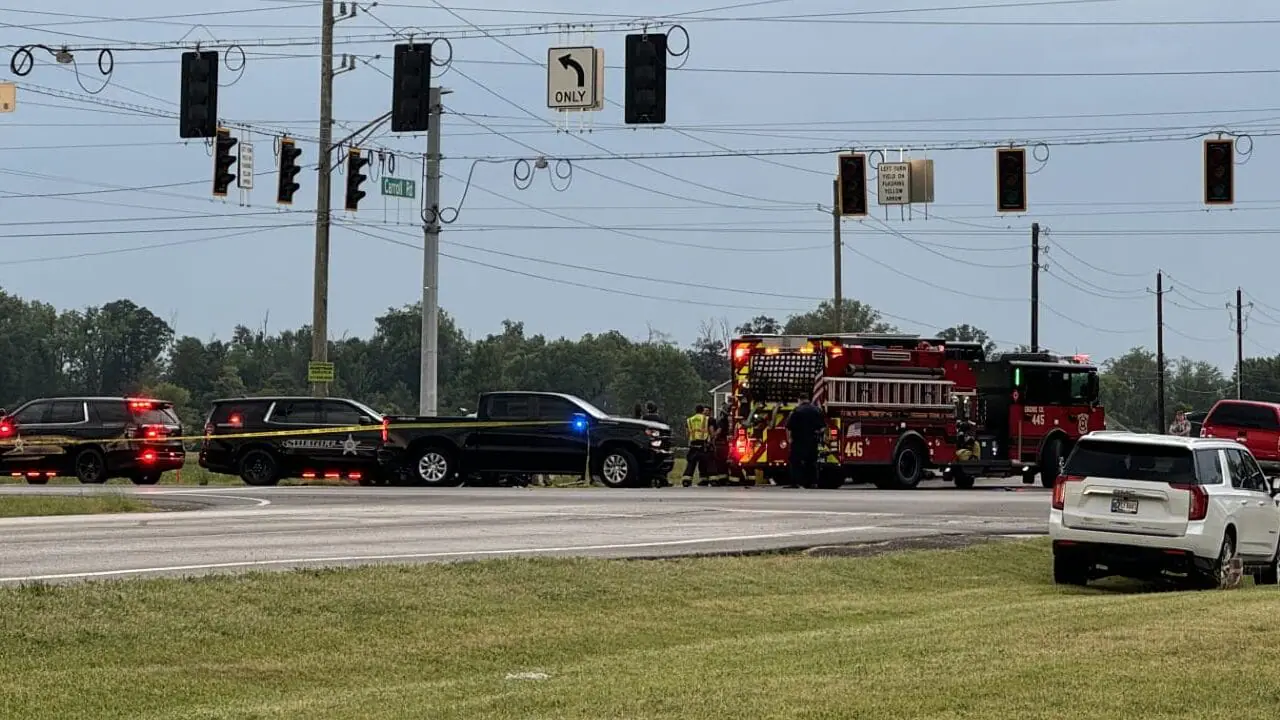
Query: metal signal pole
x,y
428,396
1035,287
320,296
1239,339
838,290
1160,410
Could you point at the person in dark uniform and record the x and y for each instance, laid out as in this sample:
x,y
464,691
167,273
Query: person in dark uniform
x,y
698,458
804,427
720,445
651,413
638,412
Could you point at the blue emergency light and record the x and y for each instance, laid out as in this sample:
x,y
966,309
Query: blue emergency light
x,y
579,423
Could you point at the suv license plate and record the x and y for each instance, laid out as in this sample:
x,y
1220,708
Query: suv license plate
x,y
1124,505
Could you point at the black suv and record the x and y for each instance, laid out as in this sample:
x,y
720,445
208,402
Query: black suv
x,y
91,438
267,439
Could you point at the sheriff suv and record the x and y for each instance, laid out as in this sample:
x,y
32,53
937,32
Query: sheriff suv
x,y
1142,506
91,438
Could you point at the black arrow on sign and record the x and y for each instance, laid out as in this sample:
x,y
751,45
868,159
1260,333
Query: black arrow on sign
x,y
567,62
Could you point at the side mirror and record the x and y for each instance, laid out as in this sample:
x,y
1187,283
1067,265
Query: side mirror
x,y
366,420
1274,485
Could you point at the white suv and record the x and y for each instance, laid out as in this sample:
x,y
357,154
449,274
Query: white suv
x,y
1143,505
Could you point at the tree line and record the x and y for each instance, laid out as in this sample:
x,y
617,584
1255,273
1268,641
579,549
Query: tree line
x,y
122,348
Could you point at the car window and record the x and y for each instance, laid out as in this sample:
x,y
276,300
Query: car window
x,y
1257,479
337,412
554,408
1209,467
1227,413
1262,417
1133,461
297,412
1239,471
67,412
112,412
33,414
158,415
510,407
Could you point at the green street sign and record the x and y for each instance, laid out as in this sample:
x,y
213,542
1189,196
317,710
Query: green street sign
x,y
320,372
398,187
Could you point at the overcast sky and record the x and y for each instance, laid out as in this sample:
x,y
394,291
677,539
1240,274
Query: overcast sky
x,y
1113,213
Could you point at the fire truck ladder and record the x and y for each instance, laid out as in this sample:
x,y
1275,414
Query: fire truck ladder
x,y
868,392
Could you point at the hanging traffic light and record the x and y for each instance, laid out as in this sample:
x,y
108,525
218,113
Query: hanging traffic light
x,y
852,177
355,179
223,159
646,83
198,95
286,187
1219,171
1011,180
411,88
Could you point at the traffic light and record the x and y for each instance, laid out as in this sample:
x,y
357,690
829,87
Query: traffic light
x,y
411,88
223,159
355,179
1219,171
286,187
852,177
1011,180
646,85
198,96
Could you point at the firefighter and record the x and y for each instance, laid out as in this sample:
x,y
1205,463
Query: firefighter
x,y
651,413
804,428
699,456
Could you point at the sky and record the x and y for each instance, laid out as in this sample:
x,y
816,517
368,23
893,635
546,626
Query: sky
x,y
101,199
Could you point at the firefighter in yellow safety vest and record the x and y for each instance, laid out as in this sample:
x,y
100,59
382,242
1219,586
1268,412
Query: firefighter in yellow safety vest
x,y
699,457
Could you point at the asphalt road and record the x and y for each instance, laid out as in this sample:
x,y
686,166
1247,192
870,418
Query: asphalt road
x,y
244,529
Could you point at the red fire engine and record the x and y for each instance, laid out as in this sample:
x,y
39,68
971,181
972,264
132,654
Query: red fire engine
x,y
898,405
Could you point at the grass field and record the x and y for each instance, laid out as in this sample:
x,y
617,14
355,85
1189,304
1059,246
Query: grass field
x,y
976,633
27,506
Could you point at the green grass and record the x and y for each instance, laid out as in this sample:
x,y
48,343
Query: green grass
x,y
975,633
27,506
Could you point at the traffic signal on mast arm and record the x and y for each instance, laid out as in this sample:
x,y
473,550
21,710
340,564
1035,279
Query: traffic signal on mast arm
x,y
1011,180
286,187
223,159
1219,171
198,96
411,88
852,179
646,80
355,178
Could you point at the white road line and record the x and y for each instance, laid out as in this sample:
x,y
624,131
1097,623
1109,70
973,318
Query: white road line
x,y
260,502
425,556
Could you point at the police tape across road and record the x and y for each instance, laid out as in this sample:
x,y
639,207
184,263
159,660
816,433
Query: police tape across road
x,y
18,440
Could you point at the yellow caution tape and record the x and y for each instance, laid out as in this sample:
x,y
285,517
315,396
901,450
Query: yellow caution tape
x,y
45,440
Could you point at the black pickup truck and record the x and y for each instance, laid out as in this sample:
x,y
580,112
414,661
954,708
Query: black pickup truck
x,y
534,433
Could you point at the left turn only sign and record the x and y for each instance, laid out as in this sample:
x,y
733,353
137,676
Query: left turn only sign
x,y
571,78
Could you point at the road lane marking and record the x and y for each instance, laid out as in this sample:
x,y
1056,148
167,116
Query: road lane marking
x,y
260,501
430,555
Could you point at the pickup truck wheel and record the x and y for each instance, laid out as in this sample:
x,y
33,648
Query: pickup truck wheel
x,y
618,468
433,467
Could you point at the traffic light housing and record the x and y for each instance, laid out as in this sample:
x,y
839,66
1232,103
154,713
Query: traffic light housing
x,y
852,179
411,88
1011,180
286,187
198,96
646,83
1219,171
355,179
224,156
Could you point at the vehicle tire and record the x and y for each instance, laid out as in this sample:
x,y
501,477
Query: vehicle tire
x,y
150,478
434,466
617,468
259,468
908,465
962,479
1227,570
91,466
1069,572
1269,575
831,478
1050,462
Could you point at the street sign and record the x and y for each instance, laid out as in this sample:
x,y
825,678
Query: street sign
x,y
8,97
571,78
599,105
399,187
244,176
893,183
320,372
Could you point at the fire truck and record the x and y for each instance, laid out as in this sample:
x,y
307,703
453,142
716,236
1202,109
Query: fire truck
x,y
899,406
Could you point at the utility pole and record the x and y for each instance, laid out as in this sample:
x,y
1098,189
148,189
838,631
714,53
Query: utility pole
x,y
1239,339
320,292
1035,287
427,380
1160,419
837,257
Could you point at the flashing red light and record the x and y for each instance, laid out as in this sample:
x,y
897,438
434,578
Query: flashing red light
x,y
141,405
1060,489
354,476
740,353
5,429
1199,507
148,457
332,475
740,447
308,475
235,420
386,424
836,351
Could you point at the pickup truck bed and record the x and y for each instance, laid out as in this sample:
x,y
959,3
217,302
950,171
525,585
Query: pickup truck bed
x,y
534,433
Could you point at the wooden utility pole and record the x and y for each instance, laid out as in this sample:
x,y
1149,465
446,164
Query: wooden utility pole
x,y
1239,339
320,291
837,257
1035,287
1160,410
